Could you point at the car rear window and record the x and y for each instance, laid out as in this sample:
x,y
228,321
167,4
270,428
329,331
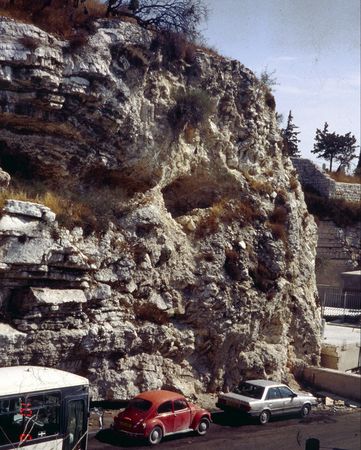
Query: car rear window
x,y
140,404
250,390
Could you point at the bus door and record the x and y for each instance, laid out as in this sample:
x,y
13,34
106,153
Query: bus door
x,y
76,424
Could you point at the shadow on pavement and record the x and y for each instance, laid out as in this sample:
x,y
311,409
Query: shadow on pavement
x,y
231,419
115,439
110,437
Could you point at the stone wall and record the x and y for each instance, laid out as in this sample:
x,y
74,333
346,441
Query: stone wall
x,y
338,250
311,175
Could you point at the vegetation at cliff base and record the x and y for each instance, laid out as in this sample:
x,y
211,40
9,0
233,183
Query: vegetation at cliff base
x,y
341,212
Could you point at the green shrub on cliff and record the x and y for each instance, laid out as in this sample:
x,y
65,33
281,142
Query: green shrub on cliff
x,y
192,108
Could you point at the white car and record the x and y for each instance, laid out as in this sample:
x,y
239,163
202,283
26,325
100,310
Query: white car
x,y
264,398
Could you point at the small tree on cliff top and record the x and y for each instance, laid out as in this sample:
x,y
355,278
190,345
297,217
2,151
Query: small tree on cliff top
x,y
180,16
290,139
335,147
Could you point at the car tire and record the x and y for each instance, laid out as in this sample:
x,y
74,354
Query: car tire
x,y
264,417
203,426
305,410
155,436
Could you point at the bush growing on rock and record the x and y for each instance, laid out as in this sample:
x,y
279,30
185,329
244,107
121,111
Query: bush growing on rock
x,y
174,47
192,108
278,223
227,211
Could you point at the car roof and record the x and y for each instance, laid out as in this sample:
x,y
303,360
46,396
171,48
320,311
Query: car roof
x,y
264,383
159,396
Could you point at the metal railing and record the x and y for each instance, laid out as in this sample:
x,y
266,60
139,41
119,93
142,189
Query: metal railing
x,y
336,303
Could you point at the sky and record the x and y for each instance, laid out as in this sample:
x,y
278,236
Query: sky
x,y
313,48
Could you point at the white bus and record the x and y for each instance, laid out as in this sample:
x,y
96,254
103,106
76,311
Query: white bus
x,y
43,409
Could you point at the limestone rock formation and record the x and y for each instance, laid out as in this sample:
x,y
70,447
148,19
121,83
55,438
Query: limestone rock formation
x,y
205,272
4,180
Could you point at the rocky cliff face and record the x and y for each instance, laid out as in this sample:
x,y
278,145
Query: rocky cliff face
x,y
205,273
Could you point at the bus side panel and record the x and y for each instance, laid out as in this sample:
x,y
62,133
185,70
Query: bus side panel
x,y
49,445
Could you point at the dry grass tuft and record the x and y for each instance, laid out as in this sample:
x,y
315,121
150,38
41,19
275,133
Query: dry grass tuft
x,y
226,211
343,178
69,212
260,186
278,223
91,210
294,183
59,18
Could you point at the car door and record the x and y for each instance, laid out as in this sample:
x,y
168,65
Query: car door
x,y
166,416
290,401
182,415
273,401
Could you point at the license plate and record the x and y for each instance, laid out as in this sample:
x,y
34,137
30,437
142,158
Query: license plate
x,y
126,425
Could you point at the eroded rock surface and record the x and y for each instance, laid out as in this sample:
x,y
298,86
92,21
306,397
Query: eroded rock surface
x,y
205,274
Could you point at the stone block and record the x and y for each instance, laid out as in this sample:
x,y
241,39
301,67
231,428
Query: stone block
x,y
4,179
18,207
47,296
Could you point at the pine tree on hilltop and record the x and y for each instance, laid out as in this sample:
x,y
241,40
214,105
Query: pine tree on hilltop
x,y
335,147
290,139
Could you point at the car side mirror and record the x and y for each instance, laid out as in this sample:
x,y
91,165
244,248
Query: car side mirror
x,y
293,395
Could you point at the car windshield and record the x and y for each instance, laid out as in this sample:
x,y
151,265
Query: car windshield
x,y
249,390
140,404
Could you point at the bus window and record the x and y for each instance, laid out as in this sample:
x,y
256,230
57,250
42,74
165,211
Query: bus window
x,y
29,417
76,438
10,420
42,411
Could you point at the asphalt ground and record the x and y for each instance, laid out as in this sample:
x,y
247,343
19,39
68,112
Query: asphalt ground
x,y
336,429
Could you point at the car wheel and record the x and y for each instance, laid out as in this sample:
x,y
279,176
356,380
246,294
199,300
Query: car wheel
x,y
264,417
305,410
155,436
203,426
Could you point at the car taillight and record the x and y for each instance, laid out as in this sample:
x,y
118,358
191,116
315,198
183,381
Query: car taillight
x,y
138,423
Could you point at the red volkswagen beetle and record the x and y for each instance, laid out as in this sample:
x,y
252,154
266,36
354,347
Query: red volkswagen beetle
x,y
155,414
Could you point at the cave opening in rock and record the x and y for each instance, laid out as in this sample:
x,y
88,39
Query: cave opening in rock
x,y
16,164
192,192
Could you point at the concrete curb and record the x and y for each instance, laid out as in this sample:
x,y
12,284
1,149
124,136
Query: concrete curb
x,y
340,383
